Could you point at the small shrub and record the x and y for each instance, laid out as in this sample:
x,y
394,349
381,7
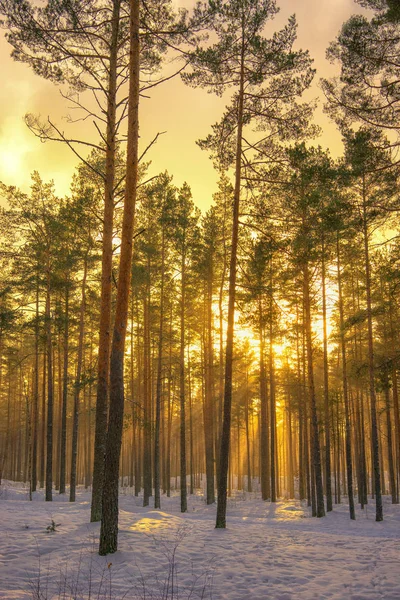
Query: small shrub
x,y
52,527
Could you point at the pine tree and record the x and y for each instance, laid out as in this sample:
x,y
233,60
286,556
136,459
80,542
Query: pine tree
x,y
259,69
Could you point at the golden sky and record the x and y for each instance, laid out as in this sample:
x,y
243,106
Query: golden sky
x,y
184,113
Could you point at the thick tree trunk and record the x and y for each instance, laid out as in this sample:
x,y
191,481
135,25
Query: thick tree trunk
x,y
226,423
103,365
109,521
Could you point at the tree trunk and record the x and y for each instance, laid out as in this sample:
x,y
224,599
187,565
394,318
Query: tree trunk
x,y
43,428
345,389
328,483
208,394
264,446
75,425
4,456
182,390
395,396
109,521
157,479
191,436
396,419
63,445
147,475
249,482
103,365
49,434
272,396
392,477
35,411
316,453
371,368
301,394
226,423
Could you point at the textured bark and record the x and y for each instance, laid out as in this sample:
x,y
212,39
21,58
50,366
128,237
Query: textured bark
x,y
226,423
109,521
103,365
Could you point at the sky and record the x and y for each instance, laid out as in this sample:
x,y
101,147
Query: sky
x,y
185,114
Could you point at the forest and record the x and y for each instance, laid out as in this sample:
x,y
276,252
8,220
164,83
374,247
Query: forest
x,y
250,350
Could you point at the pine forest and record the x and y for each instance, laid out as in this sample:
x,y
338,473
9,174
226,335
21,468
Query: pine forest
x,y
201,366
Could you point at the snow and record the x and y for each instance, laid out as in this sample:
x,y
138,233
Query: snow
x,y
267,552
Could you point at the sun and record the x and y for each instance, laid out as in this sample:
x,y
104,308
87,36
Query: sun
x,y
10,162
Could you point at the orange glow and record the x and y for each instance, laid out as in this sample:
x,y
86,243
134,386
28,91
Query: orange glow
x,y
186,114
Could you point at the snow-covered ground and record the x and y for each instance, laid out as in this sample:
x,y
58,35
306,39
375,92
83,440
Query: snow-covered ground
x,y
267,552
